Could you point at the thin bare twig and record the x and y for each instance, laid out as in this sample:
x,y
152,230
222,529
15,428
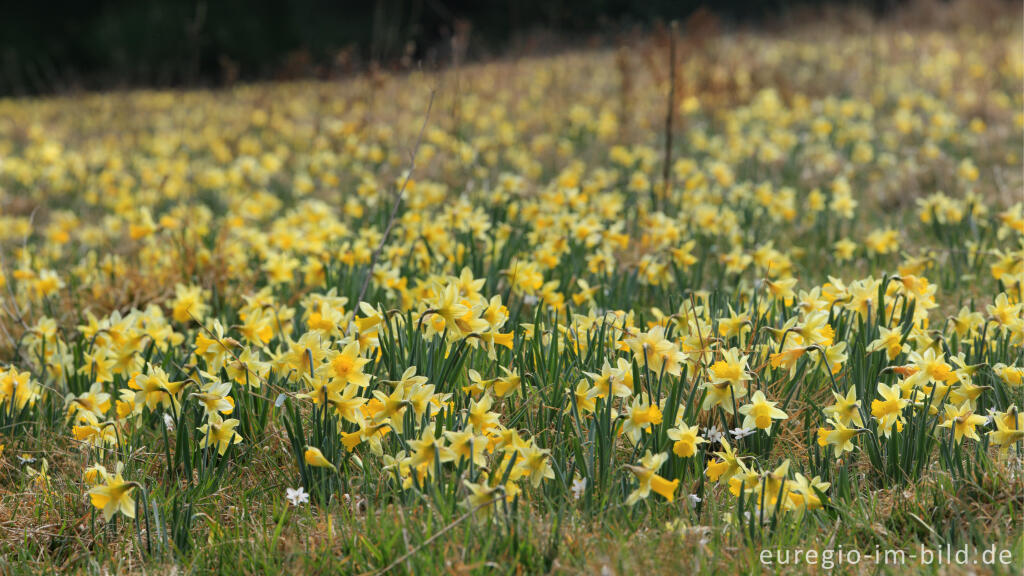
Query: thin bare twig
x,y
670,116
438,534
398,202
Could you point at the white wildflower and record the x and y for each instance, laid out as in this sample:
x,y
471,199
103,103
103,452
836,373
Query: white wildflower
x,y
579,485
297,495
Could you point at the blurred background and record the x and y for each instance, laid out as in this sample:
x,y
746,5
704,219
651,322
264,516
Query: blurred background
x,y
61,46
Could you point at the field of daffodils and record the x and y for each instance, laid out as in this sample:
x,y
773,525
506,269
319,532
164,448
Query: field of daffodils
x,y
579,314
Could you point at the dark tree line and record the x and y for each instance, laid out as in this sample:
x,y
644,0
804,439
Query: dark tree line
x,y
59,45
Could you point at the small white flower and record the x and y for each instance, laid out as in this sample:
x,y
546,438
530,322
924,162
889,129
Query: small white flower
x,y
739,433
579,485
766,517
712,434
168,422
297,495
694,500
25,459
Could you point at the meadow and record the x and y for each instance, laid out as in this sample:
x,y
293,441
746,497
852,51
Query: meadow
x,y
605,311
